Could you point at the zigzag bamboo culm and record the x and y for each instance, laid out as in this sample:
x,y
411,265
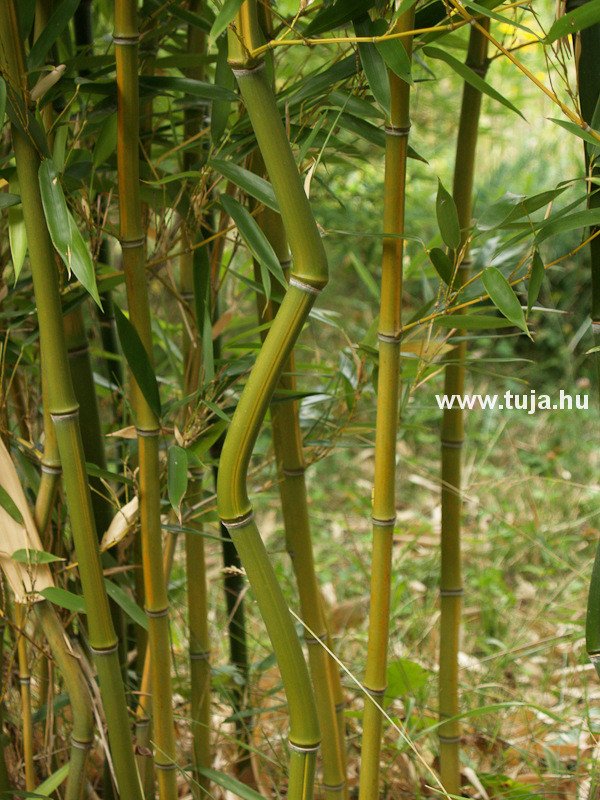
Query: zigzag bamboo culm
x,y
64,410
309,275
452,435
388,390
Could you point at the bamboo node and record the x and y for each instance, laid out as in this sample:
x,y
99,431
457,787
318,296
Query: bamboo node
x,y
596,326
148,434
239,523
105,651
305,287
57,416
384,523
161,612
393,338
25,681
126,40
393,130
131,243
448,739
594,658
78,351
336,788
79,745
375,692
293,473
201,655
241,71
286,263
170,765
322,639
448,443
51,470
304,748
451,592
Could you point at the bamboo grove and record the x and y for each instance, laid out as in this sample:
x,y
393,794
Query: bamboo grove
x,y
180,351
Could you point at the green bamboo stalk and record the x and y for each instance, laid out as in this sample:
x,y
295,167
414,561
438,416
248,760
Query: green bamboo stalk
x,y
64,411
452,436
287,443
388,389
126,39
82,732
5,784
308,277
25,684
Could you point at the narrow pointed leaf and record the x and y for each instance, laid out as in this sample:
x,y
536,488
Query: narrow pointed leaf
x,y
106,143
17,235
253,184
226,14
177,477
64,599
56,25
166,83
472,322
25,556
503,296
467,74
572,222
9,505
373,65
52,782
80,262
2,101
55,208
576,20
535,280
442,264
335,15
138,361
232,785
447,217
122,599
224,78
395,55
576,131
253,236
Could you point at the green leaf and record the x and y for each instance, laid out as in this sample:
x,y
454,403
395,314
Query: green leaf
x,y
50,33
122,599
365,276
205,91
373,65
442,264
80,262
393,52
576,130
576,20
138,360
572,222
64,599
471,322
254,238
219,113
7,199
467,74
335,15
106,143
9,505
17,235
511,207
52,782
177,472
404,677
503,297
55,208
535,280
2,101
230,784
203,444
253,184
107,475
226,14
202,301
447,217
25,556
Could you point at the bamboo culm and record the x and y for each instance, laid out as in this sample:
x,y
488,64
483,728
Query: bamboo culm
x,y
452,435
64,411
308,276
388,390
126,39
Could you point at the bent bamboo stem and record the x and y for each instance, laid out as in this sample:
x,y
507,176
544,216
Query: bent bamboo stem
x,y
126,38
384,502
64,410
452,435
309,275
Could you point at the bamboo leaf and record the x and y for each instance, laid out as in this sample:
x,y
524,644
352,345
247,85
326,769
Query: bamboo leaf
x,y
80,262
535,280
373,65
138,360
253,184
106,143
503,296
64,599
9,505
55,26
205,91
2,101
231,784
572,222
7,199
17,235
224,78
25,556
442,264
177,477
578,19
335,15
208,438
52,782
122,599
471,322
447,217
404,677
55,208
576,130
365,276
226,14
254,238
467,74
393,52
